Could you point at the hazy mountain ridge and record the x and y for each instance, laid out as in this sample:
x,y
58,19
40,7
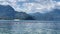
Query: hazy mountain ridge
x,y
50,16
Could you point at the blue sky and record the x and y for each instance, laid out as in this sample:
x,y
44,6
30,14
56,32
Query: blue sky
x,y
32,6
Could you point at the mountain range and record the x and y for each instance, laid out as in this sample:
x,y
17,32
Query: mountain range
x,y
53,15
8,13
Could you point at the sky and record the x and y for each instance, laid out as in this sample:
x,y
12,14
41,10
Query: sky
x,y
32,6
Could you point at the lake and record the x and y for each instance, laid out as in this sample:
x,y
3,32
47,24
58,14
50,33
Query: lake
x,y
29,27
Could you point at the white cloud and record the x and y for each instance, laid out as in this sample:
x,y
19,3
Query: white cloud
x,y
57,5
37,6
22,0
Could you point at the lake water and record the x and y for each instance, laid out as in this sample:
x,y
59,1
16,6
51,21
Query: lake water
x,y
29,27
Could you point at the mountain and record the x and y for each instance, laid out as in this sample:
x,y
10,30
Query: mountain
x,y
6,12
23,16
50,16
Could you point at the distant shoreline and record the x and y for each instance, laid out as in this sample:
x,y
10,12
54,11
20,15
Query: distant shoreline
x,y
30,21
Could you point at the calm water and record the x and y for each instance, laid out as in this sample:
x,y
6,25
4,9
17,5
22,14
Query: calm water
x,y
29,27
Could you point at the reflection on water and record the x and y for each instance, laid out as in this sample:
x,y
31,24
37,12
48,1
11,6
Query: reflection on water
x,y
29,27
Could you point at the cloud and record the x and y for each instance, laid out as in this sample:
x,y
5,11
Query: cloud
x,y
58,5
30,6
39,6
